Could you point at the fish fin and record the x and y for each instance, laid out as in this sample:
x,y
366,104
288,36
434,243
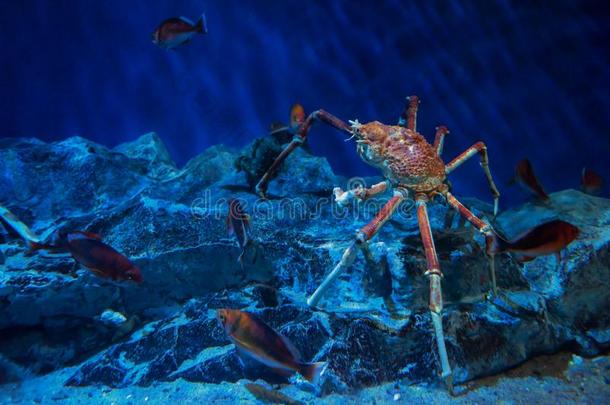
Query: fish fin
x,y
282,371
202,25
90,235
187,20
97,272
312,371
293,350
525,258
496,243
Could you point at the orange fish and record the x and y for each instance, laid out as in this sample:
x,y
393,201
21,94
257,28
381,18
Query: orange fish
x,y
297,116
591,182
524,175
258,340
545,239
176,31
88,250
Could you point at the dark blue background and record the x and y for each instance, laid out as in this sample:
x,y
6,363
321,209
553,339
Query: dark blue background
x,y
531,78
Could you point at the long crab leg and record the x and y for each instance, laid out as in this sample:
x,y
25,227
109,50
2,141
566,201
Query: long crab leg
x,y
299,138
481,149
483,227
408,119
439,139
362,236
436,296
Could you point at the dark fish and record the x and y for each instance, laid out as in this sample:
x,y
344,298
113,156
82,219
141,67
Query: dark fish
x,y
88,250
176,31
258,340
549,238
238,223
591,182
524,175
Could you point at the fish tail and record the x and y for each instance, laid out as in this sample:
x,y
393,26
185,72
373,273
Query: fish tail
x,y
312,371
496,244
202,25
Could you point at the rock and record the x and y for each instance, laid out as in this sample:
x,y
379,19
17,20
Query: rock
x,y
371,327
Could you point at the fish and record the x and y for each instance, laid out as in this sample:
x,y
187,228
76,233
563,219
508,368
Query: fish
x,y
88,250
545,239
258,340
177,31
525,176
297,118
591,182
13,224
238,223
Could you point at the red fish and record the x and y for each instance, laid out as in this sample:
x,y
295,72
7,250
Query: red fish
x,y
297,118
176,31
258,340
524,175
591,182
238,223
545,239
88,250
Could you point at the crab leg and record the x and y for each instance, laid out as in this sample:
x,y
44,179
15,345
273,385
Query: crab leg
x,y
481,149
436,296
483,227
344,197
299,138
439,139
408,119
362,236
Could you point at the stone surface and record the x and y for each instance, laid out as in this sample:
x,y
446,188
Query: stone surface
x,y
171,222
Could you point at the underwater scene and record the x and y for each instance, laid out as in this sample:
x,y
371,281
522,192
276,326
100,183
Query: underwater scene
x,y
289,202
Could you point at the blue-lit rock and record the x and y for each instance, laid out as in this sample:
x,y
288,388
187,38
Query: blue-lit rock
x,y
171,222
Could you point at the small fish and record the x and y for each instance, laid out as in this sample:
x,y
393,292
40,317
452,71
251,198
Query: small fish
x,y
258,340
545,239
297,117
238,223
14,225
176,31
88,250
524,175
591,182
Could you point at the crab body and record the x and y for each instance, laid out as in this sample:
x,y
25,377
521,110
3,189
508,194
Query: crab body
x,y
404,156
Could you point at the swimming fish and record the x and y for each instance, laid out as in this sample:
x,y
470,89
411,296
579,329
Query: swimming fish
x,y
238,223
258,340
297,118
13,224
176,31
524,175
545,239
591,182
88,250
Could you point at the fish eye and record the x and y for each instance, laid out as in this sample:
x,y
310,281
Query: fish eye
x,y
222,318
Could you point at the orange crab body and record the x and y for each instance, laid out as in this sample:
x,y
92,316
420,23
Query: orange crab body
x,y
404,156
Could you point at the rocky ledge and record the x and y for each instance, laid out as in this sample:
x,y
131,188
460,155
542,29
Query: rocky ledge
x,y
171,222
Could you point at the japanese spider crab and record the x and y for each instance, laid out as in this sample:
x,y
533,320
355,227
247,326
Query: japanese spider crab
x,y
411,166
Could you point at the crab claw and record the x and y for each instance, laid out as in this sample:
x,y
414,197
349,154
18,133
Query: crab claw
x,y
343,198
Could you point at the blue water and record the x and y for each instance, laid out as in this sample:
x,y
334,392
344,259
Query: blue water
x,y
529,78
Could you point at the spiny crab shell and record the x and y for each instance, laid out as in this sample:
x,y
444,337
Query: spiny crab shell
x,y
403,155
